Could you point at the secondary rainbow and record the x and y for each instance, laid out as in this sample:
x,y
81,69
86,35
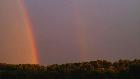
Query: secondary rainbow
x,y
28,27
81,30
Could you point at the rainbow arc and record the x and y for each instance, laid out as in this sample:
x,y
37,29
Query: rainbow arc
x,y
28,28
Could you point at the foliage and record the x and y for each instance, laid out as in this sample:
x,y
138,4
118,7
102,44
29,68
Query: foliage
x,y
100,69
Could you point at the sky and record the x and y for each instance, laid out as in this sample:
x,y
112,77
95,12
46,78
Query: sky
x,y
65,31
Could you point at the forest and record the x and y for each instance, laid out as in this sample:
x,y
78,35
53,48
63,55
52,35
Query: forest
x,y
99,69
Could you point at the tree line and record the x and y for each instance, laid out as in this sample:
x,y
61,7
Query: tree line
x,y
100,69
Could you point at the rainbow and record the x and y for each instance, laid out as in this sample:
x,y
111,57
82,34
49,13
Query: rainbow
x,y
81,30
28,27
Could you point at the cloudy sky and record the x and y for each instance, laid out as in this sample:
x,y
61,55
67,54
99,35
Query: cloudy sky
x,y
70,30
